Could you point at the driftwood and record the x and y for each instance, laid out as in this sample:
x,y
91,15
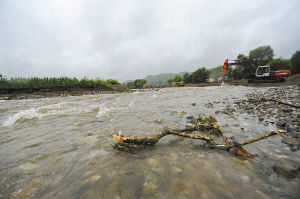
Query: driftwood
x,y
263,99
202,124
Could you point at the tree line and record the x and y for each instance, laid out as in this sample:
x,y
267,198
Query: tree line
x,y
52,83
136,84
260,56
245,66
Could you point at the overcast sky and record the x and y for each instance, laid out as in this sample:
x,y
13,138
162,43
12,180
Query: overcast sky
x,y
131,39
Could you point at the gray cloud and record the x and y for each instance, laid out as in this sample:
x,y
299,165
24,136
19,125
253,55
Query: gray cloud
x,y
131,39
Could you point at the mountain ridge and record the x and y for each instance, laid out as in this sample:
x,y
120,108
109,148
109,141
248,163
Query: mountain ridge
x,y
161,79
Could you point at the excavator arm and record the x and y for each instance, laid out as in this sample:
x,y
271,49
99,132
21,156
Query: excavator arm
x,y
228,63
225,66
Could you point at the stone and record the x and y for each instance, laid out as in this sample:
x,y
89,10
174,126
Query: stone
x,y
175,170
285,110
293,143
290,128
232,138
290,141
158,121
287,168
261,118
294,148
286,120
100,120
181,112
209,105
269,121
191,119
296,134
245,178
193,104
281,123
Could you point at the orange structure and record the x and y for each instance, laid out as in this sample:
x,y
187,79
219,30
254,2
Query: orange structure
x,y
282,72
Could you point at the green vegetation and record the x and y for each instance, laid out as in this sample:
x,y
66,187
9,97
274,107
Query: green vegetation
x,y
136,84
199,76
261,56
280,64
215,73
296,62
246,66
177,78
170,80
187,78
161,79
52,83
237,73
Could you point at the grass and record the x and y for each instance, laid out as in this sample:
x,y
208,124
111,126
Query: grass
x,y
52,83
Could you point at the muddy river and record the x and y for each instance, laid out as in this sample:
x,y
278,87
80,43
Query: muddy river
x,y
61,148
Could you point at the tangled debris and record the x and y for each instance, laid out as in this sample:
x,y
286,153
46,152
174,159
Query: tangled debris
x,y
207,125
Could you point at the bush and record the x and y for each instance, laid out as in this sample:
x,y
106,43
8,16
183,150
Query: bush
x,y
130,85
51,83
112,81
280,64
237,73
187,78
296,62
261,55
170,80
177,78
200,75
139,83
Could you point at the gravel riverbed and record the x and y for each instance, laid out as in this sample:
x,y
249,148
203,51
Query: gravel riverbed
x,y
264,104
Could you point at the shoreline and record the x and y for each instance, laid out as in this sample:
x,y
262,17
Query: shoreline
x,y
277,106
49,93
114,89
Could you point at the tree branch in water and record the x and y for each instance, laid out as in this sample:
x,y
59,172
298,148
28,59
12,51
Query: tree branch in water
x,y
203,124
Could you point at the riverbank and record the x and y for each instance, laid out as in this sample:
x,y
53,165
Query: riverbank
x,y
278,107
274,106
291,80
19,94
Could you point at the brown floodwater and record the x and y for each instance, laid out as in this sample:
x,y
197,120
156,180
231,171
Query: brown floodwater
x,y
61,148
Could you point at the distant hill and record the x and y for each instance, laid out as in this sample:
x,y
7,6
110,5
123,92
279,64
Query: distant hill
x,y
155,80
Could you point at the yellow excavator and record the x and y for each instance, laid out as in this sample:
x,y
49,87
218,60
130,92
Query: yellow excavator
x,y
181,83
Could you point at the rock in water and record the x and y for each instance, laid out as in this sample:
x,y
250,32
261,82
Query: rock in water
x,y
281,123
291,142
287,168
191,119
100,120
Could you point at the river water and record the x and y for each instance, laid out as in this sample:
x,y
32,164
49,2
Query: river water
x,y
61,148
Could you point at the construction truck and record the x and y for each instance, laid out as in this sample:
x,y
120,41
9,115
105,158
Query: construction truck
x,y
263,74
181,83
